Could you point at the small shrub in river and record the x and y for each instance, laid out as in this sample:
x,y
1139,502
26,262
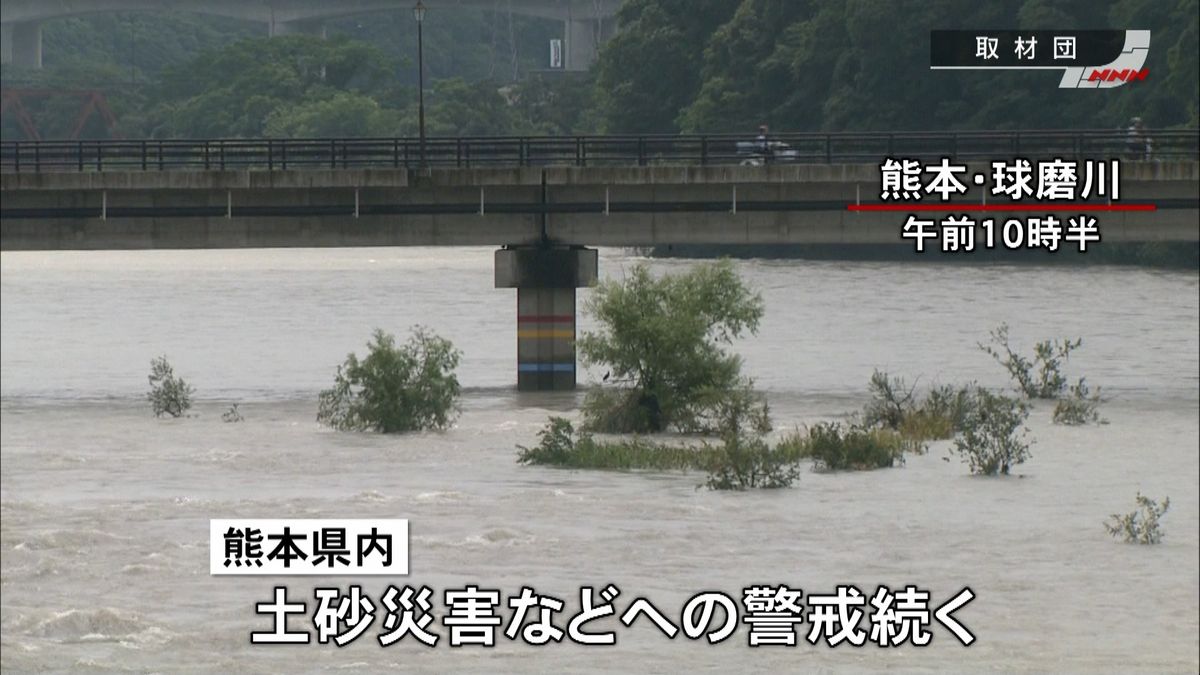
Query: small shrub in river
x,y
169,395
744,460
992,440
892,406
949,405
232,415
1139,526
832,447
559,446
407,388
1040,378
891,401
1079,406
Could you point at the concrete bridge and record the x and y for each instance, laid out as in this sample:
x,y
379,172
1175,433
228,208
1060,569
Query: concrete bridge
x,y
586,23
542,200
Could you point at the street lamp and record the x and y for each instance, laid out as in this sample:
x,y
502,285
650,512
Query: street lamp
x,y
419,15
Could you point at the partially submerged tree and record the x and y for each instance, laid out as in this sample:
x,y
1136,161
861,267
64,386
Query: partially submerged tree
x,y
169,395
993,438
407,388
1079,406
1040,378
1139,526
662,341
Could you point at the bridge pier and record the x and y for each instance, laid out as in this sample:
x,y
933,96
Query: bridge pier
x,y
545,278
21,43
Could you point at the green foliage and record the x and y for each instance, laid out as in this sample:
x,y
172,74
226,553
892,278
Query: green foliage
x,y
1139,526
832,447
729,65
559,446
744,460
1079,406
892,406
661,339
891,401
169,395
395,389
992,440
1040,378
342,114
648,72
558,104
232,414
948,403
236,91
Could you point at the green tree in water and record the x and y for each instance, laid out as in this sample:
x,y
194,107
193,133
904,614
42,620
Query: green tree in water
x,y
395,389
662,340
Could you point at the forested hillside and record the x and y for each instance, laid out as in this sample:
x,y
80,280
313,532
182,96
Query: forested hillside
x,y
675,66
722,65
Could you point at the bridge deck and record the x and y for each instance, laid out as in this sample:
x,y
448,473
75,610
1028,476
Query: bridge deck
x,y
527,191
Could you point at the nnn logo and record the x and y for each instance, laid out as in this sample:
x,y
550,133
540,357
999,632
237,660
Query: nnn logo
x,y
1127,67
1118,75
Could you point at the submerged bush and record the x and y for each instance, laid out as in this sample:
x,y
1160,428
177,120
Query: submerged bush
x,y
1139,526
560,446
1040,378
1079,406
742,462
395,389
832,447
992,440
947,407
169,394
893,406
891,401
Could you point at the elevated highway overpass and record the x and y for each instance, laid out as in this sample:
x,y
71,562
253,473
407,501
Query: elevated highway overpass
x,y
585,22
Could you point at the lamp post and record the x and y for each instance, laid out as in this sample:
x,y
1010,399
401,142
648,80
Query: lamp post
x,y
419,15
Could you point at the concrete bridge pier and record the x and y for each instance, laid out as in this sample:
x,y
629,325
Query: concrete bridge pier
x,y
545,278
21,43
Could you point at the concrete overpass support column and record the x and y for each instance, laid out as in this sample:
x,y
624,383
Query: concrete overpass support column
x,y
6,42
22,43
580,39
545,278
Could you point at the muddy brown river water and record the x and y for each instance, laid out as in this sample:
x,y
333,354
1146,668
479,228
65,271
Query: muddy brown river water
x,y
105,510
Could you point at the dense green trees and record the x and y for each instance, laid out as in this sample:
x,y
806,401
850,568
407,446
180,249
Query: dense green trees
x,y
674,66
863,65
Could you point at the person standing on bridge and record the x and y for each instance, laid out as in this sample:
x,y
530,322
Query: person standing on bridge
x,y
1137,142
764,144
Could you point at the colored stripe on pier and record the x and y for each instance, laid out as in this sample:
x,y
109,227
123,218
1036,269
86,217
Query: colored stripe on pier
x,y
546,318
545,367
545,333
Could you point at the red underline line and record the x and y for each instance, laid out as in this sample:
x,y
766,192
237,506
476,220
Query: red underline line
x,y
915,206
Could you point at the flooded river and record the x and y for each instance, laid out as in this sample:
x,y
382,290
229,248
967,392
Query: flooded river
x,y
105,509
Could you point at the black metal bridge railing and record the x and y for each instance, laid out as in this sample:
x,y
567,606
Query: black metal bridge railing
x,y
811,148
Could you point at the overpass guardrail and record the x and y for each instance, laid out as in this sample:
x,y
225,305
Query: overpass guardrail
x,y
465,152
